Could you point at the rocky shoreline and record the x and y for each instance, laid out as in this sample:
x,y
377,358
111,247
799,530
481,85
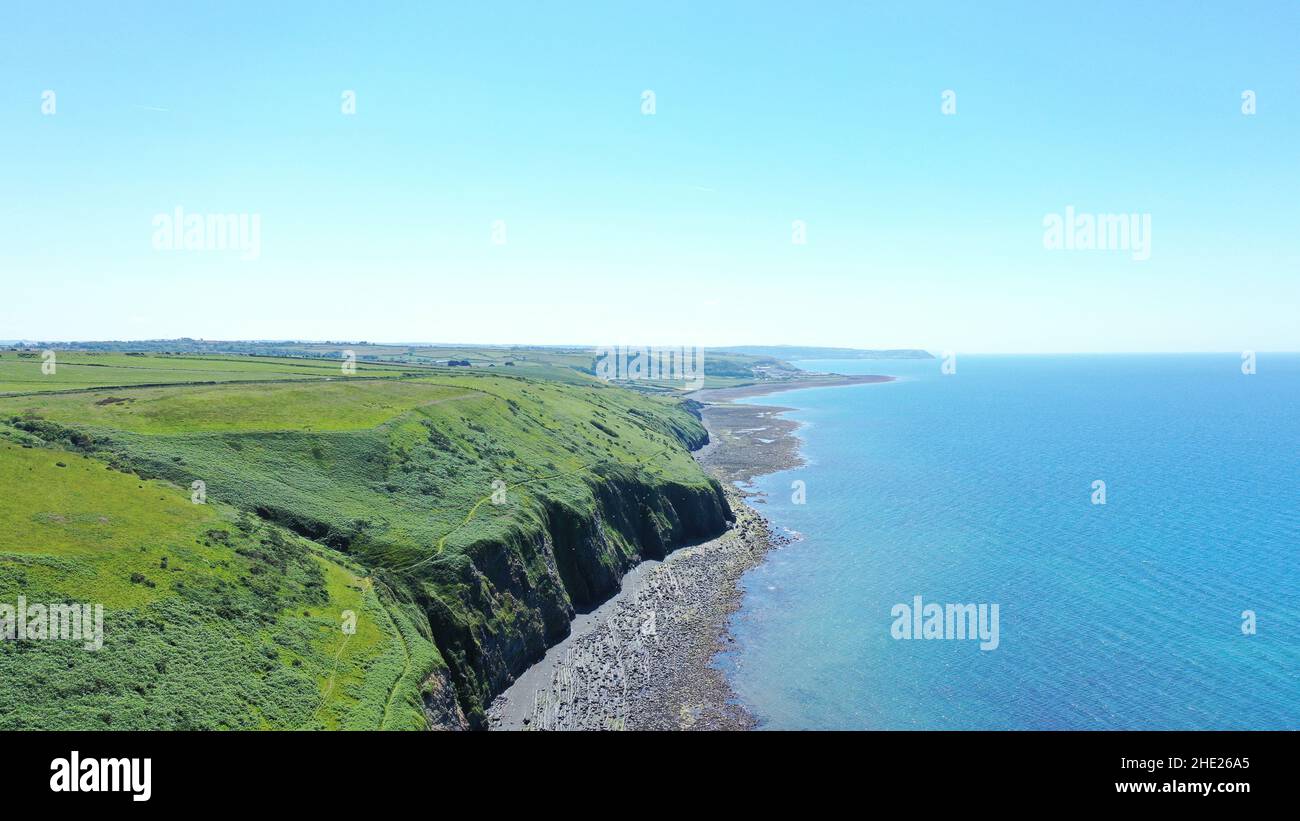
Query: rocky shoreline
x,y
644,660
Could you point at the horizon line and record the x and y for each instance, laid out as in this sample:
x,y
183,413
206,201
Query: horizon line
x,y
582,346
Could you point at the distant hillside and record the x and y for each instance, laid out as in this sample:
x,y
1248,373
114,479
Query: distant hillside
x,y
788,352
575,365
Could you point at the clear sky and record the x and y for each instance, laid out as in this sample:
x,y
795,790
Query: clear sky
x,y
923,229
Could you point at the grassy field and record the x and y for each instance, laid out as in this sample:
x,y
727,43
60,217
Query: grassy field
x,y
385,466
21,372
396,494
336,405
213,619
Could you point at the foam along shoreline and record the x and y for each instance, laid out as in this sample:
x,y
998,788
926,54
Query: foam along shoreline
x,y
644,660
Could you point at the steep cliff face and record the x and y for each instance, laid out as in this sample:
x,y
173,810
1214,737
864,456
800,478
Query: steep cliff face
x,y
441,709
495,609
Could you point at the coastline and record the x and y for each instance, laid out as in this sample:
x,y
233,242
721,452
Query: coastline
x,y
644,659
767,388
748,440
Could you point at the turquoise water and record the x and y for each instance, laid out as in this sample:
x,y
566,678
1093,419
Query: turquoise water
x,y
978,488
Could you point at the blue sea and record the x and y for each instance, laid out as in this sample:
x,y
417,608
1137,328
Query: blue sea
x,y
978,487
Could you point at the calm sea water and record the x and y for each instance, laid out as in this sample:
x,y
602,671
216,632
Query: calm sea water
x,y
977,488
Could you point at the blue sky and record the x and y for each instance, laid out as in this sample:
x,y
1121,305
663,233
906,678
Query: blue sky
x,y
923,229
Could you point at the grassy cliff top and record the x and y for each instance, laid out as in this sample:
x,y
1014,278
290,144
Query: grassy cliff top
x,y
319,490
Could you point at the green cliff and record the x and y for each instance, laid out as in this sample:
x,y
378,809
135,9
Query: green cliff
x,y
462,517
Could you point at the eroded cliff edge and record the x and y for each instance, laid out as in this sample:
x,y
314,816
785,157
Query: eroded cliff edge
x,y
497,606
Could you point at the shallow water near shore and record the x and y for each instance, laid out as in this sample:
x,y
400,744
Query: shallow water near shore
x,y
978,488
